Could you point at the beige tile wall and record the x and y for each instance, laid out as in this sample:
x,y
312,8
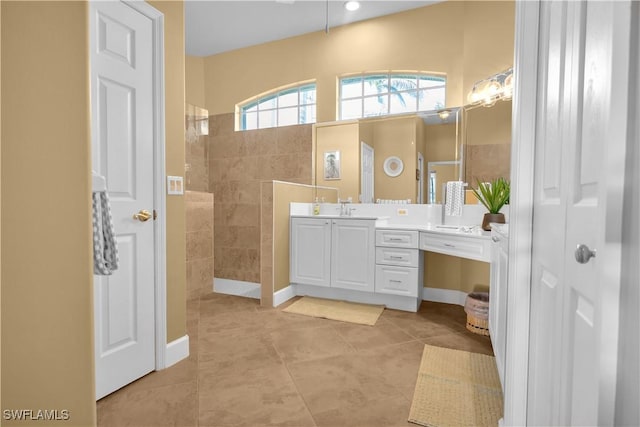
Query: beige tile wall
x,y
487,162
266,244
199,226
238,163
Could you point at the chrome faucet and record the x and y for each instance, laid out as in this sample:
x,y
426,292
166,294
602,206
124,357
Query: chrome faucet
x,y
345,210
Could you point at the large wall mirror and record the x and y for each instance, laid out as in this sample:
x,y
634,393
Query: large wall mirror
x,y
409,158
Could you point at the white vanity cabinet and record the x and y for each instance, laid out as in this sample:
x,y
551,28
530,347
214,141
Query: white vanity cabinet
x,y
398,263
310,251
333,252
498,298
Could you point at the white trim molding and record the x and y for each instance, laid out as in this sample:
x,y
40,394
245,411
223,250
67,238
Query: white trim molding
x,y
521,212
447,296
176,351
236,287
284,295
159,193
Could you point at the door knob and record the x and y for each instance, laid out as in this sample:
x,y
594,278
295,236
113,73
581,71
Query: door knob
x,y
584,254
142,216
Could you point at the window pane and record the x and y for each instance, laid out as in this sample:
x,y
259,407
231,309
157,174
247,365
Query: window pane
x,y
350,87
403,102
427,81
307,114
308,95
432,99
288,116
401,83
280,108
250,108
288,98
376,106
374,85
351,109
267,119
250,121
268,102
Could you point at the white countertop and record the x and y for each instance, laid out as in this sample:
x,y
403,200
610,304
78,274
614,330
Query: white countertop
x,y
466,231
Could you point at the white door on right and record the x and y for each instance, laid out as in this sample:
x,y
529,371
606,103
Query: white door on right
x,y
582,113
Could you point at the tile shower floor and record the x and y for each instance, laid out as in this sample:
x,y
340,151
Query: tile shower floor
x,y
254,366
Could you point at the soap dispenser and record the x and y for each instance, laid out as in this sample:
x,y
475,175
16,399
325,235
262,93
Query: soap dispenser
x,y
316,207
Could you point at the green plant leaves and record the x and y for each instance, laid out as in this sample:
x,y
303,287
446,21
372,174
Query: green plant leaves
x,y
493,195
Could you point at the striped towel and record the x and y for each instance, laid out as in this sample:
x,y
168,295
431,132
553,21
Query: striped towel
x,y
105,249
454,198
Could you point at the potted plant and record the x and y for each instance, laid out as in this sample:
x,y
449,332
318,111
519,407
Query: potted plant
x,y
493,195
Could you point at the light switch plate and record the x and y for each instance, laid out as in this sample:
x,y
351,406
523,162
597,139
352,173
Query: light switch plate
x,y
175,185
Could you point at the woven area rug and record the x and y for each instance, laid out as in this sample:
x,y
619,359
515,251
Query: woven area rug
x,y
363,314
456,388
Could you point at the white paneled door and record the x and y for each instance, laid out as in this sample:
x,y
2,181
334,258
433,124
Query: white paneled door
x,y
122,144
366,169
582,112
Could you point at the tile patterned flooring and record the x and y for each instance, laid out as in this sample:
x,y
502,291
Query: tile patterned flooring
x,y
255,366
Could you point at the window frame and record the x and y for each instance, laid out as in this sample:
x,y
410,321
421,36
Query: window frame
x,y
269,103
389,76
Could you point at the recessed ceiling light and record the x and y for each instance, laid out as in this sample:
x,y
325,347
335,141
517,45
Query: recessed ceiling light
x,y
352,5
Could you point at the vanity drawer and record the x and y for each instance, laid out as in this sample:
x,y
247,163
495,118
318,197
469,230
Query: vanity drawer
x,y
397,256
460,246
397,238
397,280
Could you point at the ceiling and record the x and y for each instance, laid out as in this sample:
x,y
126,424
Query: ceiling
x,y
213,27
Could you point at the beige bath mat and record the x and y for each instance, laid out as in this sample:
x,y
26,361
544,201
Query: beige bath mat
x,y
344,311
456,388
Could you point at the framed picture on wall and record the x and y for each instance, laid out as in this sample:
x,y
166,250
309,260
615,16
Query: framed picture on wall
x,y
331,165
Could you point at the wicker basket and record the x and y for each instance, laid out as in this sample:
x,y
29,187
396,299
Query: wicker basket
x,y
477,308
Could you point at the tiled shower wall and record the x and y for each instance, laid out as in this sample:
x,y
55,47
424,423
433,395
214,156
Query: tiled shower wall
x,y
238,163
199,224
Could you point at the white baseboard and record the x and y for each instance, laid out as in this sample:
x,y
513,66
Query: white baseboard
x,y
236,287
447,296
176,351
284,295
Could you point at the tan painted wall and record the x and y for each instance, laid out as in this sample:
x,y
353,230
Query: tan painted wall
x,y
342,137
453,273
175,158
47,270
425,39
194,80
52,304
0,204
488,142
489,28
467,41
395,137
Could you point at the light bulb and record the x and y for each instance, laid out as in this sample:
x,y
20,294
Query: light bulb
x,y
473,96
352,5
444,114
507,87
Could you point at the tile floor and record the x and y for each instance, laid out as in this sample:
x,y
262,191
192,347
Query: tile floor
x,y
255,366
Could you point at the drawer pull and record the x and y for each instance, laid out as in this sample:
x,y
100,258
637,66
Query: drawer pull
x,y
395,281
395,257
449,245
396,239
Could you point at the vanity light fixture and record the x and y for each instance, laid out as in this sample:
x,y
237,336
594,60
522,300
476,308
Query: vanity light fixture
x,y
352,5
492,89
444,114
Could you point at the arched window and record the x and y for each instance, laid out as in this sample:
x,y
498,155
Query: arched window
x,y
282,107
381,94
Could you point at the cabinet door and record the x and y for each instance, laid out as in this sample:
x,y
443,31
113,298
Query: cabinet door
x,y
353,254
310,251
